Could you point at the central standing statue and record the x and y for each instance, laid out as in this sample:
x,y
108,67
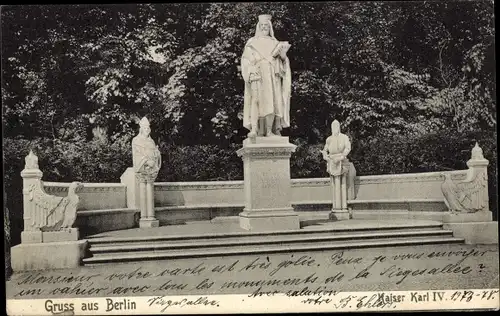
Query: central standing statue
x,y
266,71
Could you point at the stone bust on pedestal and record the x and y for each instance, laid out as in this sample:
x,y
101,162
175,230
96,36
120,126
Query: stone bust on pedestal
x,y
145,154
266,71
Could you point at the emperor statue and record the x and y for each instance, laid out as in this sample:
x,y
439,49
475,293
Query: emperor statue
x,y
266,71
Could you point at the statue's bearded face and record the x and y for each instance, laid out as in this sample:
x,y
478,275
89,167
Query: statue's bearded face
x,y
265,28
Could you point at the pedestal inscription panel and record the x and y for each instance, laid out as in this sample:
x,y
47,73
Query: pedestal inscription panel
x,y
267,184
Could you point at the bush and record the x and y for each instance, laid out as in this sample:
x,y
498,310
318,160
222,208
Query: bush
x,y
307,161
200,163
446,150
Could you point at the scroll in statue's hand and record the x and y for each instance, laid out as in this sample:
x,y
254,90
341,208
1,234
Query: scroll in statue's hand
x,y
281,49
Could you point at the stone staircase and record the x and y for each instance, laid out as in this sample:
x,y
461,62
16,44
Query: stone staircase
x,y
110,249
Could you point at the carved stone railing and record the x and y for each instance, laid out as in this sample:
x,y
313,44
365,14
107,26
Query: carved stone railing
x,y
397,187
93,196
467,199
412,191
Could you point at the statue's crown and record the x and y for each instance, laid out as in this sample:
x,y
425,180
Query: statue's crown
x,y
144,122
264,18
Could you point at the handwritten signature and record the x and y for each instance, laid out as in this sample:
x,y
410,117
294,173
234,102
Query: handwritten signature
x,y
166,303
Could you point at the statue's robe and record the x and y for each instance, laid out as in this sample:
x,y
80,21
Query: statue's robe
x,y
274,88
144,150
338,145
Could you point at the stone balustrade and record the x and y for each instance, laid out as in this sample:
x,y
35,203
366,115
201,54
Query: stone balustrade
x,y
411,186
103,204
93,196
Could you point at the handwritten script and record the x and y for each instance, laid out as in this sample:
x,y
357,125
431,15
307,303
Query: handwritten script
x,y
314,278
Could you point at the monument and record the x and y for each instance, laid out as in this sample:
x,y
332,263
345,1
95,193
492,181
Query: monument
x,y
146,160
340,169
266,154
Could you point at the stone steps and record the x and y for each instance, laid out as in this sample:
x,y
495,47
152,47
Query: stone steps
x,y
308,230
107,250
262,249
217,239
205,243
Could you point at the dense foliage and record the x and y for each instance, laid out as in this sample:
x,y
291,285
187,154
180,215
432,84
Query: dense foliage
x,y
412,83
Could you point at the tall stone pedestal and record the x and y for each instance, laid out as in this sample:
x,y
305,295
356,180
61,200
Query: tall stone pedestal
x,y
267,185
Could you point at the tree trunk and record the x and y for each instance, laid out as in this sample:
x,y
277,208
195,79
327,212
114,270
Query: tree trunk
x,y
6,235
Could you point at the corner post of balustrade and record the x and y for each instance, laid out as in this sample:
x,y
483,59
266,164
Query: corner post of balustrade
x,y
478,173
469,215
48,239
32,178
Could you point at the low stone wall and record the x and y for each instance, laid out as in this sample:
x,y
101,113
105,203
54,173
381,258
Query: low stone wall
x,y
379,189
204,193
103,206
98,221
407,188
400,187
93,196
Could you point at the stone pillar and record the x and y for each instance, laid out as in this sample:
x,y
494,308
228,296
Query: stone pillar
x,y
339,197
344,192
150,211
267,185
478,166
32,177
143,199
147,204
